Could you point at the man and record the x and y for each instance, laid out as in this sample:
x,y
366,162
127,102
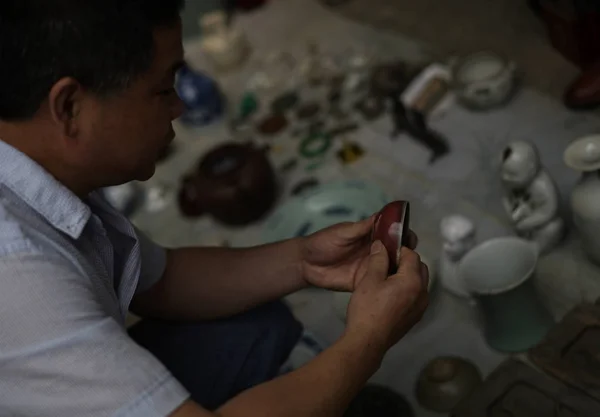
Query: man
x,y
86,102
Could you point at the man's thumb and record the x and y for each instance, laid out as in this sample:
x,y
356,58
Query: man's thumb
x,y
378,262
357,230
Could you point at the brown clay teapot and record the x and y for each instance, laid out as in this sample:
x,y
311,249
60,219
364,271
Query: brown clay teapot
x,y
235,183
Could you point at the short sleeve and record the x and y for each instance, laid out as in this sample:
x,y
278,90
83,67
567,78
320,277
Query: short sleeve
x,y
62,354
154,262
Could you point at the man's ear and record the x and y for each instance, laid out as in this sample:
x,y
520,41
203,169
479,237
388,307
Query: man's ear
x,y
65,104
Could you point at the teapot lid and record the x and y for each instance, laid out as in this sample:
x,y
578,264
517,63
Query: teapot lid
x,y
584,154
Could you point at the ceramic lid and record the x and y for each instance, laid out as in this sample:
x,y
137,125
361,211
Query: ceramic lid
x,y
479,66
584,154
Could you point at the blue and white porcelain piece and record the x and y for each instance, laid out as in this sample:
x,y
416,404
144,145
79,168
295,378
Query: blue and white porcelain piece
x,y
201,95
323,206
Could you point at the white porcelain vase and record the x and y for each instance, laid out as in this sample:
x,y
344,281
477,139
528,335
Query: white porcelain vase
x,y
585,204
584,155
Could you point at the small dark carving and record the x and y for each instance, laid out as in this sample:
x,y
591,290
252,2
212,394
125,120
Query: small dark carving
x,y
272,124
285,102
308,111
515,389
527,400
413,122
571,351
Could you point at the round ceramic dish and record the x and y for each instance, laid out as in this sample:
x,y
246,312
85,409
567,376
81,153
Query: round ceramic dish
x,y
483,80
324,206
392,228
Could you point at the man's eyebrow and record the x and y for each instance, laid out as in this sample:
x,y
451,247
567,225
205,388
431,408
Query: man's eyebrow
x,y
173,69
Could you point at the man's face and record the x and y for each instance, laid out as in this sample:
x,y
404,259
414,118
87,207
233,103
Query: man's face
x,y
125,133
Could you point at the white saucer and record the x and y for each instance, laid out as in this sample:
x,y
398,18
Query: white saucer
x,y
584,154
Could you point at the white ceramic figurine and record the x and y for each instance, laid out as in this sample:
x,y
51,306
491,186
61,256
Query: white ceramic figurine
x,y
458,234
531,197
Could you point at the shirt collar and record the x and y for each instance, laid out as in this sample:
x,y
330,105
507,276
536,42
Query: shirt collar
x,y
42,192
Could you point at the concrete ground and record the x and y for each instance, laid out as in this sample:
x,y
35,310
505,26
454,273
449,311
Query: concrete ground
x,y
462,26
464,182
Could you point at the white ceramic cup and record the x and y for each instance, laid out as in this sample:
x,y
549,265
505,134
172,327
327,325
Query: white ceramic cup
x,y
498,274
498,265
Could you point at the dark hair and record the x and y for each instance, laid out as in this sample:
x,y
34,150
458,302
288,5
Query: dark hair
x,y
104,44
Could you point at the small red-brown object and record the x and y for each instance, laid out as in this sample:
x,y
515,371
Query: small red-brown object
x,y
392,228
574,30
272,124
584,92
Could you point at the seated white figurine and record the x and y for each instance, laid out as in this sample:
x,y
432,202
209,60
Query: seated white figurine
x,y
531,197
458,234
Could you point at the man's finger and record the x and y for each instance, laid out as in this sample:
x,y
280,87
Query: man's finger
x,y
419,308
365,226
377,269
409,261
356,230
425,276
413,240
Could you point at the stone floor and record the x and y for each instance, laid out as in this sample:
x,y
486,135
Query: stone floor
x,y
463,26
463,182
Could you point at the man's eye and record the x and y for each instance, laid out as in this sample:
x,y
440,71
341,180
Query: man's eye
x,y
168,92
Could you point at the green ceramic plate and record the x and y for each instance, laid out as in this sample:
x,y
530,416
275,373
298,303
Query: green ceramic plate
x,y
324,206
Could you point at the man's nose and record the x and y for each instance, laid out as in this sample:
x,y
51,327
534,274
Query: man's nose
x,y
178,108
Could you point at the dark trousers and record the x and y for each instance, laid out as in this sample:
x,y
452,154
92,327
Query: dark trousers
x,y
217,360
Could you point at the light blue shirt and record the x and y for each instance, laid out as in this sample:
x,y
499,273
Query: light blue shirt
x,y
68,271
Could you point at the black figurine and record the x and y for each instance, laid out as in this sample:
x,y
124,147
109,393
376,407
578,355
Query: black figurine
x,y
413,122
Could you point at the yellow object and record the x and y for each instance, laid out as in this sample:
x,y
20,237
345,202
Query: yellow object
x,y
350,153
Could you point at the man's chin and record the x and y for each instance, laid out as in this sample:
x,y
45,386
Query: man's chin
x,y
146,174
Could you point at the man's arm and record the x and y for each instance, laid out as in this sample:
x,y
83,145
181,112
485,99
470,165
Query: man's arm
x,y
381,311
324,387
209,283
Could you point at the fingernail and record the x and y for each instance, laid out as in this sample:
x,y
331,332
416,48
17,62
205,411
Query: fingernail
x,y
376,247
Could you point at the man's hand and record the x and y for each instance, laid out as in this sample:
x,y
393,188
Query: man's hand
x,y
383,309
336,258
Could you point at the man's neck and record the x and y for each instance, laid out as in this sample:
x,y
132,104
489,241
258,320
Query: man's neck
x,y
39,147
